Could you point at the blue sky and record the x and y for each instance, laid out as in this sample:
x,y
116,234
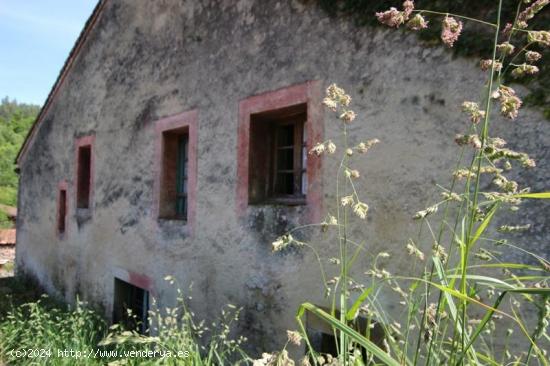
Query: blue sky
x,y
36,37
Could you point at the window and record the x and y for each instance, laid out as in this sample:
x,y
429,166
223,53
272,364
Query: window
x,y
84,176
62,211
174,182
274,128
327,344
181,176
131,306
175,187
290,158
277,156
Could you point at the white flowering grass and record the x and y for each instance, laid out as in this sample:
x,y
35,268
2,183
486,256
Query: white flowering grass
x,y
48,326
465,297
175,329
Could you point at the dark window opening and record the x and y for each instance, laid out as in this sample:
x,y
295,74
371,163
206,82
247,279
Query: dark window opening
x,y
278,156
84,176
328,345
174,200
325,341
131,306
62,211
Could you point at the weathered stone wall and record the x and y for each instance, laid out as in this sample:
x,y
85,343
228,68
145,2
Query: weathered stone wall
x,y
147,60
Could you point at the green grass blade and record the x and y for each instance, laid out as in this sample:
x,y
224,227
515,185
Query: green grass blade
x,y
532,290
483,226
460,295
449,300
507,266
539,195
485,280
489,360
354,309
336,324
480,327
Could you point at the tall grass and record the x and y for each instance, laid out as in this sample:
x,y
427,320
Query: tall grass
x,y
174,330
465,297
34,332
46,332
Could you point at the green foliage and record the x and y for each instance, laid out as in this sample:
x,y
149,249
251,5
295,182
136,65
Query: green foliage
x,y
8,267
41,326
475,41
344,328
15,121
53,330
5,223
8,194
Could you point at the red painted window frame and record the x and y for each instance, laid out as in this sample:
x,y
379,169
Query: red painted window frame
x,y
309,93
81,142
186,120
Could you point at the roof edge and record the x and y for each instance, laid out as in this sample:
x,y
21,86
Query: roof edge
x,y
67,66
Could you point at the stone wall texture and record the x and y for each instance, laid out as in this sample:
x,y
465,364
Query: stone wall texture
x,y
147,60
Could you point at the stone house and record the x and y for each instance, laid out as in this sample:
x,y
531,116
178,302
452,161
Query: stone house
x,y
173,140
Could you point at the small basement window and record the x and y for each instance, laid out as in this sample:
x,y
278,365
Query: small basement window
x,y
84,176
174,181
278,156
61,211
131,306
